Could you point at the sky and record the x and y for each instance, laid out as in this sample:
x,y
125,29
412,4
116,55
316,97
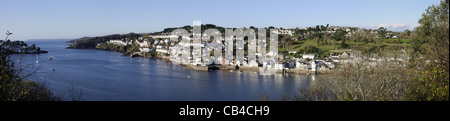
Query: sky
x,y
69,19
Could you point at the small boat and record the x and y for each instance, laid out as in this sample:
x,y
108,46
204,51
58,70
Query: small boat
x,y
37,59
50,58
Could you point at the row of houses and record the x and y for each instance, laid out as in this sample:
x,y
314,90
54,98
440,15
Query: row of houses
x,y
145,45
307,62
310,62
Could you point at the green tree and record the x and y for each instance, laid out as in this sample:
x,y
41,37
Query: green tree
x,y
382,32
430,42
300,32
339,35
407,33
343,44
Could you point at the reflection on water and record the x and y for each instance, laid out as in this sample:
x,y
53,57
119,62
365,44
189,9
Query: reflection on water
x,y
104,75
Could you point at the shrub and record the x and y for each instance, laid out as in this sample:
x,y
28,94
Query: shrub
x,y
14,88
430,85
360,82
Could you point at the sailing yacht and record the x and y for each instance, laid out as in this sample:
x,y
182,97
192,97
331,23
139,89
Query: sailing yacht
x,y
50,57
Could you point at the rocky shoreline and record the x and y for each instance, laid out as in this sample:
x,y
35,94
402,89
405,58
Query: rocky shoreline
x,y
221,67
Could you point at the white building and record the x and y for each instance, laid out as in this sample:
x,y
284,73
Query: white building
x,y
145,49
167,41
302,65
162,36
313,66
309,56
292,52
118,42
281,56
253,63
286,31
160,46
344,55
143,44
162,51
156,42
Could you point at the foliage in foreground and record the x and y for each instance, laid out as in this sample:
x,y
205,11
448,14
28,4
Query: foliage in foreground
x,y
431,84
431,55
424,78
14,88
360,82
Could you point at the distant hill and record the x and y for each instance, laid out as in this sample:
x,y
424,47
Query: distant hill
x,y
91,42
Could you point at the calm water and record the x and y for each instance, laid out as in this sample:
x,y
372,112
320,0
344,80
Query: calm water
x,y
104,75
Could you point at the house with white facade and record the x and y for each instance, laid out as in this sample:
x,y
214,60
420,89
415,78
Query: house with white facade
x,y
160,46
253,63
280,66
162,51
302,65
118,42
156,42
309,56
145,49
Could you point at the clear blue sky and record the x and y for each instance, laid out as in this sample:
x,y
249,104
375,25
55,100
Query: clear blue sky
x,y
51,19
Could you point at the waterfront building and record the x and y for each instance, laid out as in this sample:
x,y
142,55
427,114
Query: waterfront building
x,y
281,66
160,46
143,44
313,66
156,42
302,65
145,49
292,52
253,63
162,51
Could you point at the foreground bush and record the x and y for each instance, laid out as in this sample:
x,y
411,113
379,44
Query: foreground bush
x,y
430,84
14,88
386,81
430,43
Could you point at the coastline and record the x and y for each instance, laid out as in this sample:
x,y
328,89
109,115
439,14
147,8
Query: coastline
x,y
166,58
222,67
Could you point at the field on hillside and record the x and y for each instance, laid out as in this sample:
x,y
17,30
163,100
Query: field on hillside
x,y
332,46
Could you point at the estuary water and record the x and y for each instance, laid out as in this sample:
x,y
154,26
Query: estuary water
x,y
110,76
